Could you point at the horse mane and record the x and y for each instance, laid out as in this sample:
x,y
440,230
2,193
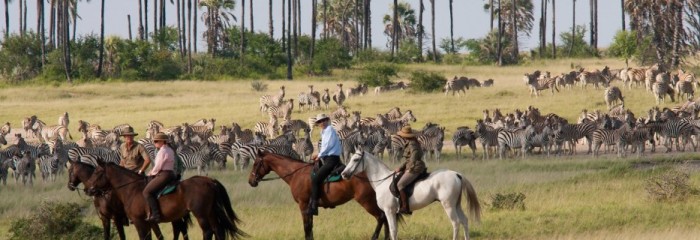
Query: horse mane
x,y
123,170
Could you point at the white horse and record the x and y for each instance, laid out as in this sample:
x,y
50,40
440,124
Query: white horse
x,y
444,186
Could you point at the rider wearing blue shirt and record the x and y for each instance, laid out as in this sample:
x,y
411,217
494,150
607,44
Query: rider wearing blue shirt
x,y
328,154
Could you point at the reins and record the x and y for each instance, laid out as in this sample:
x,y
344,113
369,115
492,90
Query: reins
x,y
281,177
380,180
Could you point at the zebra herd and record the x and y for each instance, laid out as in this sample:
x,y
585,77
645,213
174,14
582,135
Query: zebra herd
x,y
461,84
617,130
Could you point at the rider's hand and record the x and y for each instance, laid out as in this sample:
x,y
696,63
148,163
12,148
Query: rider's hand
x,y
140,172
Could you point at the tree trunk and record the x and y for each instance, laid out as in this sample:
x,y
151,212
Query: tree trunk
x,y
284,26
542,30
7,20
189,36
242,45
678,27
421,27
102,38
289,42
432,16
21,19
75,20
394,22
145,20
313,30
591,4
554,31
42,30
252,30
595,22
183,32
294,28
24,27
179,29
66,43
162,14
516,50
368,23
298,19
499,44
155,16
452,31
140,28
325,19
195,22
622,8
573,28
491,15
128,22
271,26
52,24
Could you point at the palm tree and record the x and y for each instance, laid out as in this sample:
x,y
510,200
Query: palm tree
x,y
21,22
573,26
284,26
313,28
432,10
102,38
145,20
216,19
41,30
140,28
189,36
514,33
242,45
7,19
491,8
452,31
294,38
543,27
368,24
499,50
180,28
405,27
251,17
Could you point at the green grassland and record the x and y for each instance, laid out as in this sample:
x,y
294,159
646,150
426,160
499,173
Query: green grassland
x,y
566,197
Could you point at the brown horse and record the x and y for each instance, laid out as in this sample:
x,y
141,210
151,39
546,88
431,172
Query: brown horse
x,y
110,208
206,198
297,175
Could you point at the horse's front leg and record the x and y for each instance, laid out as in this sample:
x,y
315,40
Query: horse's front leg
x,y
143,229
120,230
381,221
308,223
156,231
106,228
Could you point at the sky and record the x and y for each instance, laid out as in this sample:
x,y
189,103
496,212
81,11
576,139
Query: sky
x,y
470,19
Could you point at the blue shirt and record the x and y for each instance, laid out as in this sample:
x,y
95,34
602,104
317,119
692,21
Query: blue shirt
x,y
330,143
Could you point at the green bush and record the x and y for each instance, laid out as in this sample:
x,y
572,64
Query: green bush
x,y
422,81
452,59
258,86
55,221
375,75
330,54
576,47
409,52
371,55
20,57
508,201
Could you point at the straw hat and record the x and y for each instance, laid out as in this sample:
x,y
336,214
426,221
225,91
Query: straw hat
x,y
321,117
406,132
161,137
129,132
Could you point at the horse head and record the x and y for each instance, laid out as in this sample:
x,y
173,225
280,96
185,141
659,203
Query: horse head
x,y
76,172
355,164
98,182
259,170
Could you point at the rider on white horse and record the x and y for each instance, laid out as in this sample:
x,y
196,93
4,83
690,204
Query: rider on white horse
x,y
411,168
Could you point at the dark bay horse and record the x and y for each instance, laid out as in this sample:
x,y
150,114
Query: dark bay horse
x,y
111,208
297,175
206,198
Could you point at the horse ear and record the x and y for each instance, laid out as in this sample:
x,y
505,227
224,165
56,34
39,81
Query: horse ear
x,y
358,148
100,162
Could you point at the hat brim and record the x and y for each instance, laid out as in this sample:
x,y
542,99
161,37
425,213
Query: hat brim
x,y
129,134
406,135
321,120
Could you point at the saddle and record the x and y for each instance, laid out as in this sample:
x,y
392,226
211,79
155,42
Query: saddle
x,y
334,176
169,188
409,188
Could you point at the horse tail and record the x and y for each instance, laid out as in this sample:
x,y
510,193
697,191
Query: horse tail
x,y
470,194
224,213
187,219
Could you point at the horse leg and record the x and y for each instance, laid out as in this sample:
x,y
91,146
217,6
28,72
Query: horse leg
x,y
106,227
207,232
308,224
391,219
180,227
143,229
120,230
451,211
156,231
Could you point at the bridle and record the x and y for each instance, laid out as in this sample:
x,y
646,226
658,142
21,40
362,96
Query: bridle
x,y
362,161
259,178
104,191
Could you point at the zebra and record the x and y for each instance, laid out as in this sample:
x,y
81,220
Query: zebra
x,y
25,167
339,95
612,96
32,125
688,77
660,91
350,140
243,136
197,158
677,129
360,89
650,76
488,137
326,98
514,139
51,132
456,85
107,155
635,76
314,98
270,129
397,145
283,111
543,139
377,141
488,83
637,138
271,100
684,88
537,85
610,137
295,125
4,166
569,134
303,99
432,144
304,147
596,78
250,152
464,136
60,149
49,166
63,120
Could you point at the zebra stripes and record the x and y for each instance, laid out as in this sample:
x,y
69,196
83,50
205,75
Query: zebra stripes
x,y
464,136
432,143
339,95
457,85
514,139
660,90
612,95
271,100
326,98
488,137
64,120
25,167
610,137
48,165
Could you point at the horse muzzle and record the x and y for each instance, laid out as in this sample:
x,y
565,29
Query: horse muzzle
x,y
345,175
92,191
253,183
72,187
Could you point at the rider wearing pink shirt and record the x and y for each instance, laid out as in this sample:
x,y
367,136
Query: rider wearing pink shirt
x,y
161,174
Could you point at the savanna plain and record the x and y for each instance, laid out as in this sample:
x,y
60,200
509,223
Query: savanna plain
x,y
567,197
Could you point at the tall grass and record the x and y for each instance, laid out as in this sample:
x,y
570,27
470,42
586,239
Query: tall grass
x,y
567,198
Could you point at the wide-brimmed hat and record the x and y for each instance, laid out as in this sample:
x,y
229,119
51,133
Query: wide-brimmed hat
x,y
406,132
129,131
321,117
161,137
